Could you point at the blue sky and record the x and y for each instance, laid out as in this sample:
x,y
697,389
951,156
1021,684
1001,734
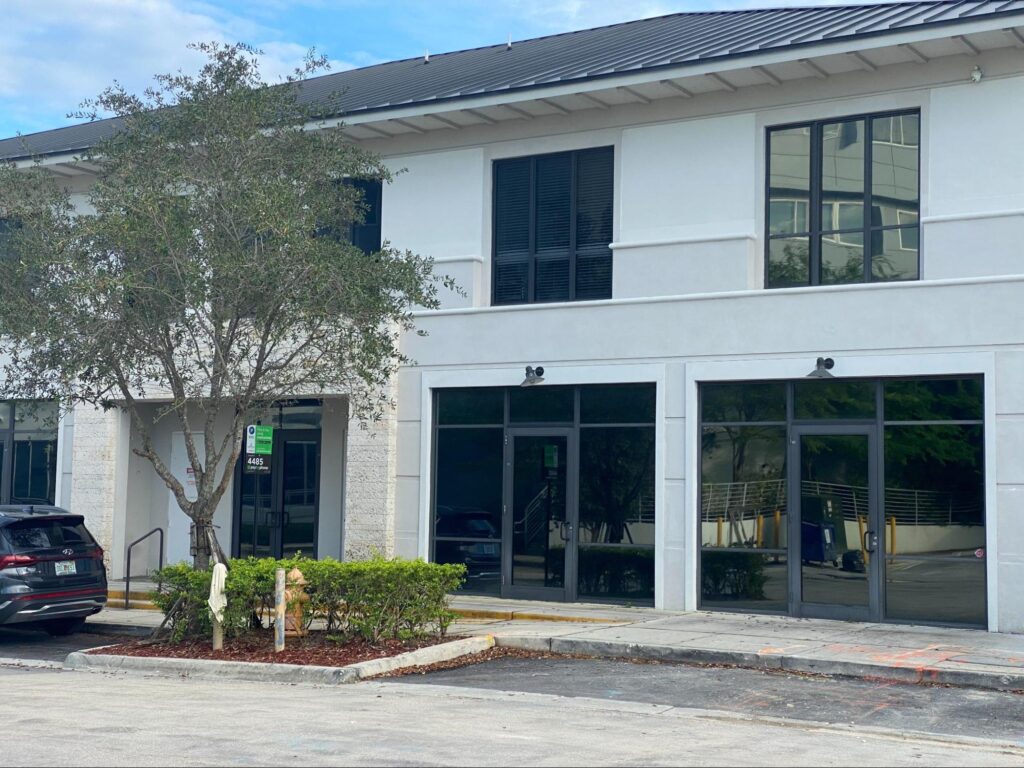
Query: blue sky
x,y
55,53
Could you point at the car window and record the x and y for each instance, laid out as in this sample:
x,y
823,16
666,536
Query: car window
x,y
46,534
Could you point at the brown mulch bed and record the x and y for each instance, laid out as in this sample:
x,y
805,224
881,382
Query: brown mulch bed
x,y
315,649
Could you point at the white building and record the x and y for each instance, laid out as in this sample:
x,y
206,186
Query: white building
x,y
770,264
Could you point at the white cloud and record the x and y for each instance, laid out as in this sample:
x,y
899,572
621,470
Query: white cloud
x,y
56,53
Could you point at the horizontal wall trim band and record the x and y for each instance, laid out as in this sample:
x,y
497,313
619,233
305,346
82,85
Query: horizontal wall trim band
x,y
682,241
453,259
750,293
973,216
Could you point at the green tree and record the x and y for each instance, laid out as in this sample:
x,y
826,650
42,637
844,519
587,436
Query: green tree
x,y
210,271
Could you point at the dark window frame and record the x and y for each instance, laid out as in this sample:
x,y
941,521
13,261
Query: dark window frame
x,y
573,250
369,226
814,224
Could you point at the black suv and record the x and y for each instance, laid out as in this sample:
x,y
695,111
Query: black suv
x,y
51,569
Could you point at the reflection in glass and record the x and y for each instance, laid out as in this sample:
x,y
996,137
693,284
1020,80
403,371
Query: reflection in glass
x,y
894,168
530,405
834,399
744,401
933,399
935,522
834,506
788,262
539,514
842,258
616,502
842,160
298,417
789,164
471,406
299,497
626,573
35,415
468,483
482,561
255,516
35,469
894,254
617,404
743,487
744,581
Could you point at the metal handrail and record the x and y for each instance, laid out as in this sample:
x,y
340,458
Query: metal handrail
x,y
128,565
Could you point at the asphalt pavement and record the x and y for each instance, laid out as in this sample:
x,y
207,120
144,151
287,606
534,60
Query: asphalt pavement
x,y
952,712
36,645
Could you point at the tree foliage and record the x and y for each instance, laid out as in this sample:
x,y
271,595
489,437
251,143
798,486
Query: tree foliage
x,y
212,270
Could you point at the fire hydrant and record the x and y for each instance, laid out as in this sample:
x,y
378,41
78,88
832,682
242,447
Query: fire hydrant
x,y
296,598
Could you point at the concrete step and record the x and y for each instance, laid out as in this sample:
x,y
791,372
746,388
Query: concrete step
x,y
136,600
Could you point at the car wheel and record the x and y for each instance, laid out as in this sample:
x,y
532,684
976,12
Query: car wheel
x,y
63,627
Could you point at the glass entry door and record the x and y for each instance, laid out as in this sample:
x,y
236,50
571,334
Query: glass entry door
x,y
276,513
836,529
540,511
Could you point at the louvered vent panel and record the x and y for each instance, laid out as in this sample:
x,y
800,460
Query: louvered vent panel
x,y
594,185
554,180
512,206
552,282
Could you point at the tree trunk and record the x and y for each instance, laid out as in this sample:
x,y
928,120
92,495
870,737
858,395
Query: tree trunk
x,y
208,549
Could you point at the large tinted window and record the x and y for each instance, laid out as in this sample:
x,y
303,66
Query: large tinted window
x,y
843,201
30,466
553,226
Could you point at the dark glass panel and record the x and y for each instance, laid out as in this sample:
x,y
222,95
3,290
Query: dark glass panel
x,y
894,254
743,487
539,514
554,174
540,404
617,486
35,415
936,590
624,573
512,206
744,401
365,234
594,189
481,558
511,280
255,515
789,164
788,262
471,406
594,276
934,399
298,417
5,416
617,404
744,581
834,399
35,469
299,497
934,534
842,161
552,279
834,493
468,483
842,258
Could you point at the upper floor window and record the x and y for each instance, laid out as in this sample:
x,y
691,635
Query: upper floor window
x,y
843,201
365,234
553,226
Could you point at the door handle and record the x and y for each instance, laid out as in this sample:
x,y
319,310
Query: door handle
x,y
870,541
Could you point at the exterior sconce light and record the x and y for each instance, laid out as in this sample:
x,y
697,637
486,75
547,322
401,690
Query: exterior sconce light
x,y
976,74
822,366
533,376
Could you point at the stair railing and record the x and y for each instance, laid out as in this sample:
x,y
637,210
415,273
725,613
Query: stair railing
x,y
128,565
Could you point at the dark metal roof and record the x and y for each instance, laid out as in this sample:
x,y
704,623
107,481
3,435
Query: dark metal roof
x,y
663,42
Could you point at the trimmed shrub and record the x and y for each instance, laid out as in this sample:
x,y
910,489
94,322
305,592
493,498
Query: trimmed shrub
x,y
371,599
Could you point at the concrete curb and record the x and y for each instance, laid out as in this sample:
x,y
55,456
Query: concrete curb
x,y
277,673
768,661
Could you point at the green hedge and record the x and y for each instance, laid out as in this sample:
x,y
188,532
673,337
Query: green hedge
x,y
371,599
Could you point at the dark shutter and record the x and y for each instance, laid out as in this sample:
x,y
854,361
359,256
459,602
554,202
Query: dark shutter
x,y
512,231
552,227
365,235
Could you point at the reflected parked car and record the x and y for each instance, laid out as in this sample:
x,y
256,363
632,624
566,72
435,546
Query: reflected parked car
x,y
482,558
51,569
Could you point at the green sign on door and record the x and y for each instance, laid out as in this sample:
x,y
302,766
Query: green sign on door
x,y
264,440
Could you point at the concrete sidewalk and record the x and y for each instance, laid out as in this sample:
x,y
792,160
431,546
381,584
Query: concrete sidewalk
x,y
898,652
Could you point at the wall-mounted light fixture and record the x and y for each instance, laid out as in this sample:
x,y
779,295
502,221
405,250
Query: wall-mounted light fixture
x,y
533,376
976,74
822,366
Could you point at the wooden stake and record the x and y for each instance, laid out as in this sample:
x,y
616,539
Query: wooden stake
x,y
279,610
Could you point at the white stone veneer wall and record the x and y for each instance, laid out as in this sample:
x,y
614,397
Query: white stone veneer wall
x,y
370,487
94,458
